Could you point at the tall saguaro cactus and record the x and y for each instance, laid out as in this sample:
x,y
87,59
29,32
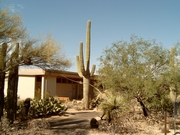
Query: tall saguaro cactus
x,y
3,51
83,70
13,85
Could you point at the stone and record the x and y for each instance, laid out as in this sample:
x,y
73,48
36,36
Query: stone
x,y
94,123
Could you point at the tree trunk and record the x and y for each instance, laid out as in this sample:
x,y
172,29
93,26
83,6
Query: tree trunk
x,y
143,107
2,76
86,92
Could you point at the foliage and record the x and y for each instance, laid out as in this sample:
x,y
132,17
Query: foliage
x,y
113,105
169,82
47,94
133,68
37,94
173,75
41,108
47,54
160,101
20,105
11,26
46,107
95,102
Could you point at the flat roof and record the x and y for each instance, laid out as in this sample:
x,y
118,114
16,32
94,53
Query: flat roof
x,y
38,71
31,71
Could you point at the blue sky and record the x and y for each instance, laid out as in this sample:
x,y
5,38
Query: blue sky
x,y
111,21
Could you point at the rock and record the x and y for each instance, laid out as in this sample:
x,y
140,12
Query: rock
x,y
25,109
94,123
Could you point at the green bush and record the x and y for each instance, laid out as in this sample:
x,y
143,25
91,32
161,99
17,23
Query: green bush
x,y
95,103
160,104
41,108
46,107
20,104
112,106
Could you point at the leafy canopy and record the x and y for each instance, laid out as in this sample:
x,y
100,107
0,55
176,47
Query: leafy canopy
x,y
133,68
10,26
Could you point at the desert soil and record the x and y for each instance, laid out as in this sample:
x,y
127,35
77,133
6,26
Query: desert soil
x,y
78,123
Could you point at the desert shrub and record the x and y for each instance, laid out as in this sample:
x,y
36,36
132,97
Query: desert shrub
x,y
113,106
47,94
160,103
38,94
20,104
46,107
95,102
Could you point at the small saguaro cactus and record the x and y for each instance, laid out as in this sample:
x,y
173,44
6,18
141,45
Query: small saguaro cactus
x,y
172,70
83,70
173,95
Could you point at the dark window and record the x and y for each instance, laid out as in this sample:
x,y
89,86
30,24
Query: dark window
x,y
58,80
38,79
69,81
63,80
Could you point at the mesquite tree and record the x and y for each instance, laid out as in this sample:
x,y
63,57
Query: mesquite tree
x,y
133,69
83,70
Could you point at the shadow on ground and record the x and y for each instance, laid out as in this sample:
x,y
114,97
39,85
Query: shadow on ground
x,y
78,121
68,123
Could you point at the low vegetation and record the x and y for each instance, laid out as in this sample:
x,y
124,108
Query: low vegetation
x,y
46,107
38,109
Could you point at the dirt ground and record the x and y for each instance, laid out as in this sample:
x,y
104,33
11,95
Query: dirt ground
x,y
78,123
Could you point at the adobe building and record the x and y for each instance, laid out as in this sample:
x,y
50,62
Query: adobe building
x,y
36,83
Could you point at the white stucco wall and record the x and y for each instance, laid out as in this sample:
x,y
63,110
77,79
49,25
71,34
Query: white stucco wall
x,y
5,86
26,87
